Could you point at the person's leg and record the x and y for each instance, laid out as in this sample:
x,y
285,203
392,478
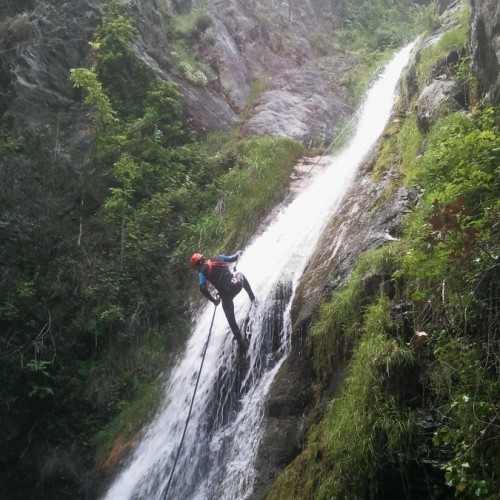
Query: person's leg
x,y
248,288
228,307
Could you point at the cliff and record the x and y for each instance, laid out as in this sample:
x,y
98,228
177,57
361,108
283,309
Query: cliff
x,y
302,97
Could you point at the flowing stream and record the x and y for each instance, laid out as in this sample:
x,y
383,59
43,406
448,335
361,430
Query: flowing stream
x,y
216,460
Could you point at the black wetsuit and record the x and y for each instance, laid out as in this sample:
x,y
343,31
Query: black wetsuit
x,y
228,285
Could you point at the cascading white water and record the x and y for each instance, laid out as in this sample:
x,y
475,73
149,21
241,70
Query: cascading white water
x,y
217,457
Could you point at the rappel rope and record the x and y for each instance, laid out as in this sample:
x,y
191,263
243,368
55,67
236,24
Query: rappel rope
x,y
190,406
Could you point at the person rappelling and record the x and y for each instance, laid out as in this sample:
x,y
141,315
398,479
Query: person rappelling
x,y
227,284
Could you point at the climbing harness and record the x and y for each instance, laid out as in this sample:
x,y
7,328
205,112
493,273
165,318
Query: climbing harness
x,y
190,407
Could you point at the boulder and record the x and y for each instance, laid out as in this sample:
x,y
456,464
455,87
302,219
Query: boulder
x,y
439,98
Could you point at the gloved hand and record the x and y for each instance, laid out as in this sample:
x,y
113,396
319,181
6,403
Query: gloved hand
x,y
216,301
239,253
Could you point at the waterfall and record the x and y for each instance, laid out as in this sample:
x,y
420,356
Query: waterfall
x,y
226,425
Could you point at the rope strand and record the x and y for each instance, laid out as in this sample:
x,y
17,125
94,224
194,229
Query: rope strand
x,y
190,407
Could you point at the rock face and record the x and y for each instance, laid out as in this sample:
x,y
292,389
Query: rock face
x,y
37,49
267,40
363,223
252,41
485,47
299,104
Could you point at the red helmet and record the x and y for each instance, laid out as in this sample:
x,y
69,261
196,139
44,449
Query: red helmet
x,y
196,259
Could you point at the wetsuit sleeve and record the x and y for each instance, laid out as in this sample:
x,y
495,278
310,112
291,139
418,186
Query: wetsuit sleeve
x,y
230,258
202,279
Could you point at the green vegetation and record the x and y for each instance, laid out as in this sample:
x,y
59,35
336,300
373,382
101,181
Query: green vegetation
x,y
192,42
434,57
375,24
372,30
409,146
262,182
452,253
188,65
338,325
361,428
96,280
258,86
191,24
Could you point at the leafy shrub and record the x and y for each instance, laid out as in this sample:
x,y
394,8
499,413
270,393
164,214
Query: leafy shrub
x,y
189,67
377,25
450,265
193,75
427,16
